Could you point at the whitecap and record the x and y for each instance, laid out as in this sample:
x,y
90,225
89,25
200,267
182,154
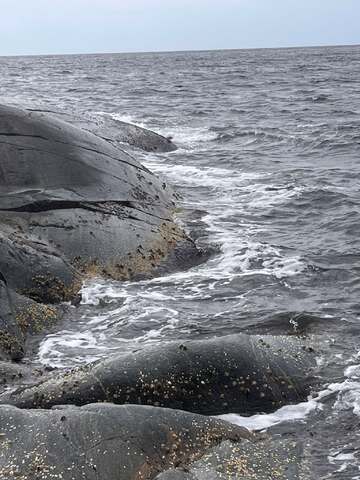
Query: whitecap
x,y
123,118
265,421
190,137
181,135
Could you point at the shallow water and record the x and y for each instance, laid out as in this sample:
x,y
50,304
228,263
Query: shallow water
x,y
268,169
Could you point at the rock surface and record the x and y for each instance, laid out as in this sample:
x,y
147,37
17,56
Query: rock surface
x,y
105,442
262,459
72,205
20,316
236,373
121,132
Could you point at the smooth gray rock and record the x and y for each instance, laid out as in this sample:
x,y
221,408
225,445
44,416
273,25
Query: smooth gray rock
x,y
136,136
236,373
72,205
105,442
121,132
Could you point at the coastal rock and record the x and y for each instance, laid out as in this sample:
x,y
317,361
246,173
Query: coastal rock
x,y
237,373
20,316
260,459
136,136
103,442
72,205
121,132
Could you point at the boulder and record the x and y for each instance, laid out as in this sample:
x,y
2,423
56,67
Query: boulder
x,y
237,373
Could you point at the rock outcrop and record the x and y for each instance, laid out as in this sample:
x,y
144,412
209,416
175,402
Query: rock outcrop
x,y
72,205
236,373
103,442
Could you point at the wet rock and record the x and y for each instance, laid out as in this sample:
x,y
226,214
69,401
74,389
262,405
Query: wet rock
x,y
139,137
103,442
236,373
121,132
72,205
262,459
11,373
20,316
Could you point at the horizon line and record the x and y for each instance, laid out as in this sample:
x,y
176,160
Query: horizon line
x,y
176,51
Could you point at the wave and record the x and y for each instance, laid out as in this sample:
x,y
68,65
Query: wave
x,y
123,118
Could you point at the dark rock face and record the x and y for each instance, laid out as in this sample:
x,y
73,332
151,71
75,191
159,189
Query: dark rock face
x,y
237,373
72,206
103,442
138,137
121,132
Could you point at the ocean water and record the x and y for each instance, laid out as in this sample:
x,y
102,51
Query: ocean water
x,y
268,168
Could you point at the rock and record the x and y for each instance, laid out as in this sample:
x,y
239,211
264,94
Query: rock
x,y
236,373
11,372
263,459
20,316
175,474
72,206
139,137
121,132
103,442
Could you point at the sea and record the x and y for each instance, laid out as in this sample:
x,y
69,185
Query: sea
x,y
268,169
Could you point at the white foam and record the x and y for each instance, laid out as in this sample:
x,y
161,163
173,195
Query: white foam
x,y
123,118
282,267
342,460
213,177
341,457
190,137
237,192
265,196
353,371
265,421
233,192
348,396
51,348
141,317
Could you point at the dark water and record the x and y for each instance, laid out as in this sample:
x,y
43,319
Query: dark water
x,y
269,171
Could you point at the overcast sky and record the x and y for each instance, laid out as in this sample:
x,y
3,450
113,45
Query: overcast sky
x,y
89,26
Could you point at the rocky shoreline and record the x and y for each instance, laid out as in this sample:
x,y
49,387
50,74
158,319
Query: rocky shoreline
x,y
72,206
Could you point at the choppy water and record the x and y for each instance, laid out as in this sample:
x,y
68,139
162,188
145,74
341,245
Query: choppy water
x,y
269,171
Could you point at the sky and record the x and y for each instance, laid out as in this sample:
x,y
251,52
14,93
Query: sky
x,y
32,27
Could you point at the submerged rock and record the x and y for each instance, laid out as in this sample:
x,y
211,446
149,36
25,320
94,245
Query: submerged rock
x,y
103,442
72,205
236,373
